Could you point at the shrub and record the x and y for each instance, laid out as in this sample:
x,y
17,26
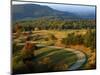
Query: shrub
x,y
90,39
73,39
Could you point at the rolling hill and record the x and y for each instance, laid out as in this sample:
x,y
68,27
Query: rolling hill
x,y
33,11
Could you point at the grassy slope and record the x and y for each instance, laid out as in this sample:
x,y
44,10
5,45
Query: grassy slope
x,y
58,56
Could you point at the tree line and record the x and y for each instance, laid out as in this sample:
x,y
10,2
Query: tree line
x,y
47,24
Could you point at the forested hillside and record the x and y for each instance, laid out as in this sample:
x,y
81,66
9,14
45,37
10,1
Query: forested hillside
x,y
32,11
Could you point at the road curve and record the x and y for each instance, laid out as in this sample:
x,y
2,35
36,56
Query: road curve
x,y
81,57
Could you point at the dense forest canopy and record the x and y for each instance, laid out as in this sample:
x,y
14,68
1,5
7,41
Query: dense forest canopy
x,y
45,23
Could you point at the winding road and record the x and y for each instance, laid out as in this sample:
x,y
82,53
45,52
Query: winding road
x,y
81,57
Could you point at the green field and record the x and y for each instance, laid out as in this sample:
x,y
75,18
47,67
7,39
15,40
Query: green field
x,y
50,59
46,56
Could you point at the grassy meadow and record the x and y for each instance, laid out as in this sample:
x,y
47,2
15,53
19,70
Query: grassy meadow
x,y
47,40
47,50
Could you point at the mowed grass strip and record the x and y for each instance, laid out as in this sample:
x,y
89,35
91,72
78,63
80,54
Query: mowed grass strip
x,y
56,56
70,59
44,54
60,55
66,57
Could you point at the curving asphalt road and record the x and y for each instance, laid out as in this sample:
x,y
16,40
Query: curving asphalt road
x,y
81,57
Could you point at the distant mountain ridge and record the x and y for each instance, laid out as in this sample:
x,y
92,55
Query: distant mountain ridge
x,y
33,11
